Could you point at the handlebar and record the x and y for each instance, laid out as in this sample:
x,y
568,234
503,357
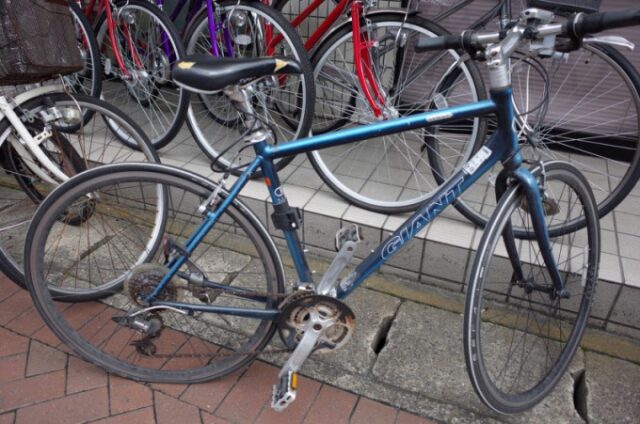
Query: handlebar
x,y
581,24
576,27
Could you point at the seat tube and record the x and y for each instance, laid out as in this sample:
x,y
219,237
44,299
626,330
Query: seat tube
x,y
284,217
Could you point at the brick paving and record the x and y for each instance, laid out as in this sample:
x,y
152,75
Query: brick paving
x,y
41,382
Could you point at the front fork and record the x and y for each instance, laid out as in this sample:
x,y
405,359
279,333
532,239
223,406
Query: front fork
x,y
535,207
363,63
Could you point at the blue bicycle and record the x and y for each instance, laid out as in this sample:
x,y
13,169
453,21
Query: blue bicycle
x,y
184,284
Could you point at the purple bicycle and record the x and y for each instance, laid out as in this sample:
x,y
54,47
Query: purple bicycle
x,y
245,29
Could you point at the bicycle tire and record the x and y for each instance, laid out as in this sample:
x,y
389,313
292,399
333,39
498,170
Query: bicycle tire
x,y
609,159
151,99
288,108
513,321
93,67
184,338
93,141
393,174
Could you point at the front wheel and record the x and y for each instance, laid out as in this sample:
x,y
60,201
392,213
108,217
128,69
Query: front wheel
x,y
136,206
149,45
393,173
519,335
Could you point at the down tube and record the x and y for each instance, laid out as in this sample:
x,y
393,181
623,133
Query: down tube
x,y
482,161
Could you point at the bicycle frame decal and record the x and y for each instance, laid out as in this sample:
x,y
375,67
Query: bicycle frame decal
x,y
420,221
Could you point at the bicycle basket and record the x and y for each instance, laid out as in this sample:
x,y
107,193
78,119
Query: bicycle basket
x,y
37,41
587,6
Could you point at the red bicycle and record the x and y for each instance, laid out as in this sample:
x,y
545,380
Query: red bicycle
x,y
139,44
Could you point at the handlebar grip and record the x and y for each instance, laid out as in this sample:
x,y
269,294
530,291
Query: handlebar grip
x,y
581,24
444,42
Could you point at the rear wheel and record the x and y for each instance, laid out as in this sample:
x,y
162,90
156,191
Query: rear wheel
x,y
235,265
519,334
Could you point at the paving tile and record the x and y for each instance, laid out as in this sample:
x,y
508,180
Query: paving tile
x,y
407,418
328,204
208,396
12,343
451,232
626,309
127,395
212,419
320,230
14,306
610,390
77,408
331,406
631,269
43,387
171,411
43,359
174,390
250,394
46,336
370,412
26,323
363,216
307,392
82,375
7,287
305,178
445,261
8,418
12,367
139,416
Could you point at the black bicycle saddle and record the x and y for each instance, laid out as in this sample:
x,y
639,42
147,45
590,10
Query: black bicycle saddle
x,y
209,74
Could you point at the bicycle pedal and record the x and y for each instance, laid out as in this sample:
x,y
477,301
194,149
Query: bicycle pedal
x,y
284,393
348,233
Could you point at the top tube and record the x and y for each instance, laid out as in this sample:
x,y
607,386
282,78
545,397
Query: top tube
x,y
349,135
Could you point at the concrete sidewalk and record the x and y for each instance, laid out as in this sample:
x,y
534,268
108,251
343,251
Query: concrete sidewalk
x,y
405,359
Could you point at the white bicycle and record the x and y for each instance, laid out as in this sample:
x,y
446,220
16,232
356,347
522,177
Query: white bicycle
x,y
46,136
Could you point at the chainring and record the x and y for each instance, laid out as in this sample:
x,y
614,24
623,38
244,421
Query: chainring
x,y
295,312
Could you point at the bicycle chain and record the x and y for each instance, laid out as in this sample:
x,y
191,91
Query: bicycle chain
x,y
139,344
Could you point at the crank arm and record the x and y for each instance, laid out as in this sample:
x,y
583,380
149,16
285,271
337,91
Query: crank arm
x,y
284,393
347,240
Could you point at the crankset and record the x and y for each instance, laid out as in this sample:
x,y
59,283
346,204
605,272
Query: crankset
x,y
309,323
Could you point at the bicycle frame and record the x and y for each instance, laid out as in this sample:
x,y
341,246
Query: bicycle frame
x,y
503,146
28,145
